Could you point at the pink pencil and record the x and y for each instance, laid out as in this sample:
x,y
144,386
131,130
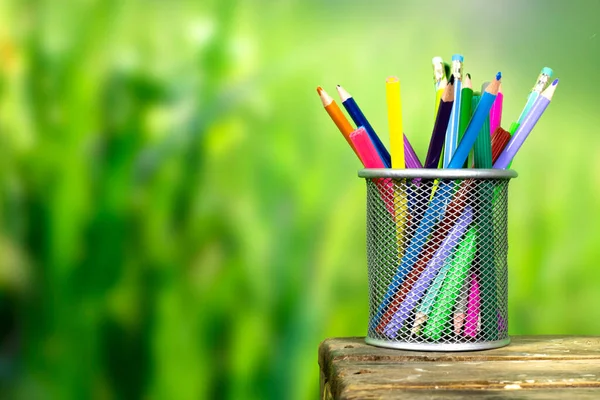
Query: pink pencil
x,y
370,158
496,111
471,323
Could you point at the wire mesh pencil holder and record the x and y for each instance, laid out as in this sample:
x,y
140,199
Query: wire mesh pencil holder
x,y
437,258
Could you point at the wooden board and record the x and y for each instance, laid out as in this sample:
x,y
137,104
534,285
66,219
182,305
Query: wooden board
x,y
531,367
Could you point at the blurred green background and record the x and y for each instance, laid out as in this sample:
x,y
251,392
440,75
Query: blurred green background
x,y
180,219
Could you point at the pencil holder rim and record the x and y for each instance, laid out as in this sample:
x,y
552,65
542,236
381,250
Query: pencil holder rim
x,y
434,173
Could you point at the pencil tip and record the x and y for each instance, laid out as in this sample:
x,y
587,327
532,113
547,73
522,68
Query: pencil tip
x,y
469,75
452,79
319,89
338,85
499,76
555,82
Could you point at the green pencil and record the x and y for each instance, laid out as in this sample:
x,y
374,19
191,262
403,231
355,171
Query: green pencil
x,y
465,106
486,261
459,269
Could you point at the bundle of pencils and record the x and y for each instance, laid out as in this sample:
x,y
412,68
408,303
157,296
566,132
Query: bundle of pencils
x,y
441,244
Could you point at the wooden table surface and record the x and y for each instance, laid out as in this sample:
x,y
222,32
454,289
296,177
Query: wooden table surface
x,y
531,367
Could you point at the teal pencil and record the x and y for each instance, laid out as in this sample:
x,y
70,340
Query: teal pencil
x,y
483,144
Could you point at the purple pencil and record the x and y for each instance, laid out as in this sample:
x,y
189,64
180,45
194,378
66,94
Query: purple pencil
x,y
516,141
410,157
439,128
419,288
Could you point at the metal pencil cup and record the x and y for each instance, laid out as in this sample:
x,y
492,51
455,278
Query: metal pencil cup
x,y
437,258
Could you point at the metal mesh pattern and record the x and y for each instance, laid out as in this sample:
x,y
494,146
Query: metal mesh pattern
x,y
436,252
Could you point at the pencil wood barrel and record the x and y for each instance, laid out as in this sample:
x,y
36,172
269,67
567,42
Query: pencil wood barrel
x,y
437,258
531,367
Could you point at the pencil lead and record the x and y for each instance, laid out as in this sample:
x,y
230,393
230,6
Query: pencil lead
x,y
319,89
555,82
499,76
469,75
452,80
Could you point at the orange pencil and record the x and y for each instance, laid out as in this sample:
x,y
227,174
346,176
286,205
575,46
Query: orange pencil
x,y
337,116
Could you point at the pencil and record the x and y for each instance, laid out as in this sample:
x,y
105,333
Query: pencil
x,y
394,112
337,116
360,120
439,73
517,140
500,139
371,159
465,106
496,111
483,145
451,141
460,312
474,127
438,95
410,157
539,86
472,321
439,128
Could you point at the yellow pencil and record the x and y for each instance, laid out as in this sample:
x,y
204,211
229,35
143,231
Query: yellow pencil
x,y
394,110
438,94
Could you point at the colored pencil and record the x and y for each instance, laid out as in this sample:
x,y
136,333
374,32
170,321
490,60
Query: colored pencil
x,y
455,208
472,321
474,127
539,86
451,141
394,112
370,158
483,145
366,150
439,74
438,95
439,81
442,309
460,312
496,111
465,106
500,139
516,141
410,157
360,120
419,288
439,128
337,116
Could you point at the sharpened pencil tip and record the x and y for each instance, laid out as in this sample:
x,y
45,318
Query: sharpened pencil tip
x,y
499,76
319,89
555,82
469,75
338,85
452,80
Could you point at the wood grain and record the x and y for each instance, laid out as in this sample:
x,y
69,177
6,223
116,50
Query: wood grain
x,y
531,367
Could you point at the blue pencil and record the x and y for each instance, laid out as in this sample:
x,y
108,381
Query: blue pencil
x,y
360,120
453,126
481,113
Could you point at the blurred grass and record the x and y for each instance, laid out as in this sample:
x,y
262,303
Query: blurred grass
x,y
180,219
